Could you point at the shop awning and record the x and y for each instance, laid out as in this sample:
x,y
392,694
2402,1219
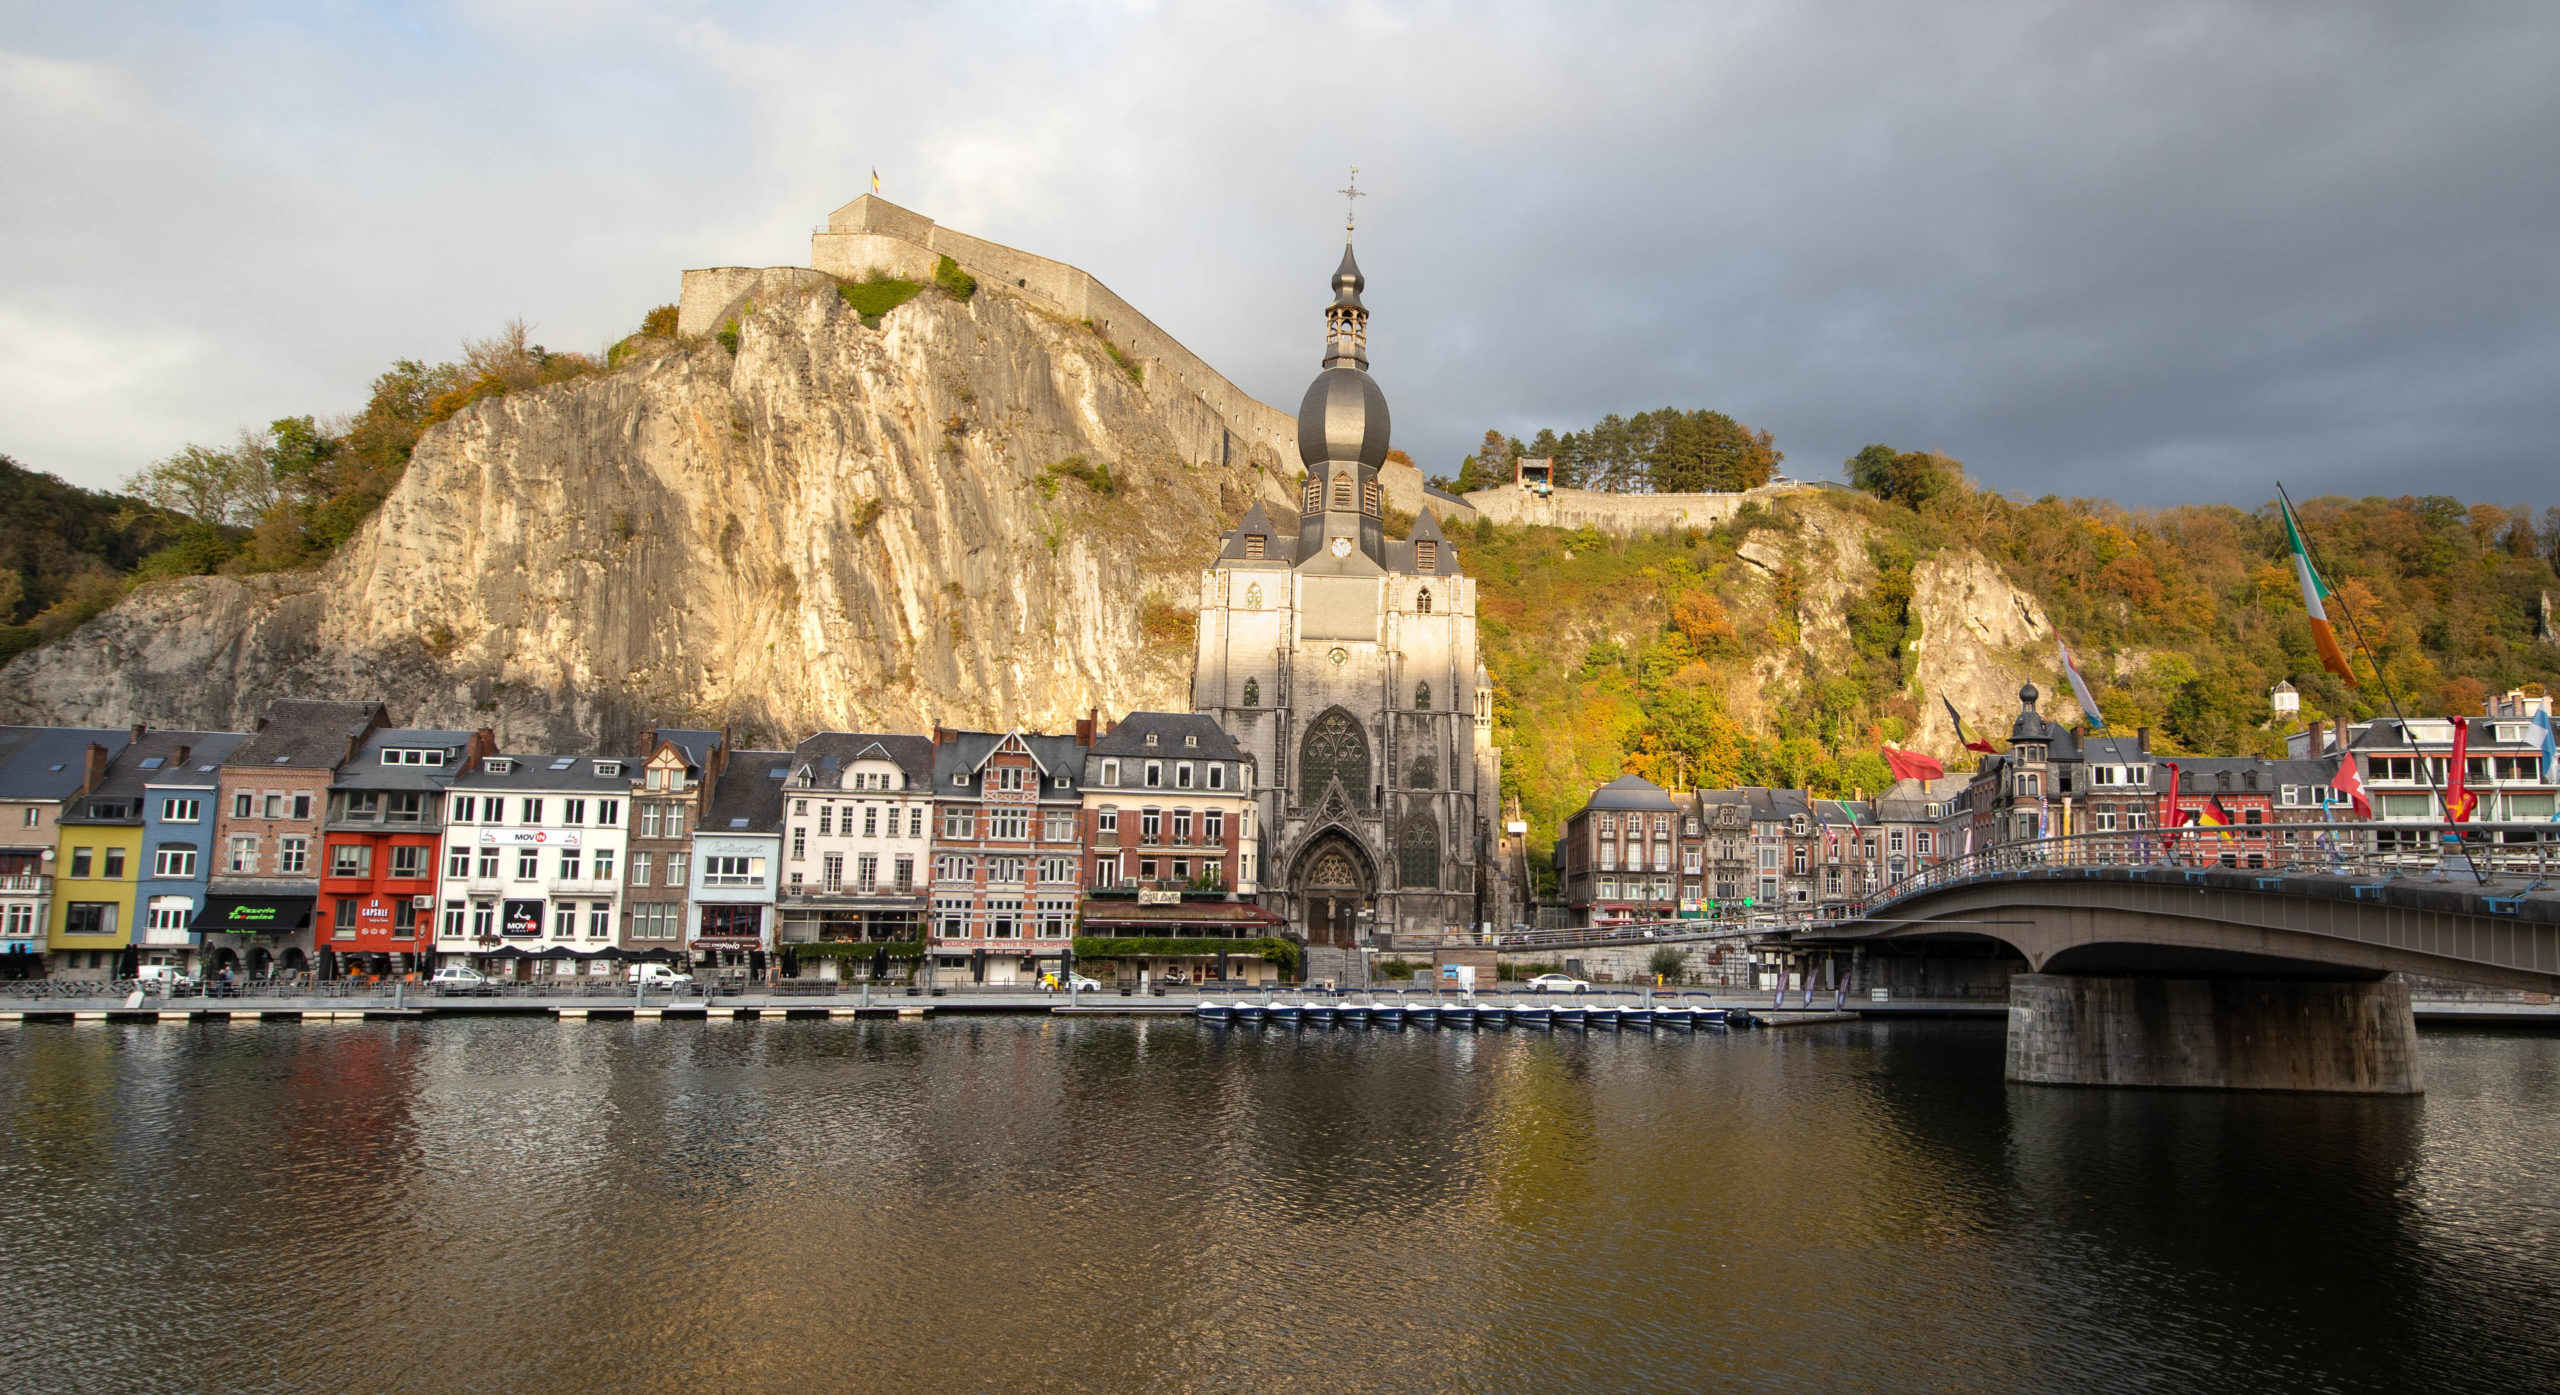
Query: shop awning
x,y
253,915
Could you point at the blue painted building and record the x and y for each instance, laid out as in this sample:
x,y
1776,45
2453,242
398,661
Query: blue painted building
x,y
178,809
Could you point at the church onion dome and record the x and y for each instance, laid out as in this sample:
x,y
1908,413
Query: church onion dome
x,y
1344,415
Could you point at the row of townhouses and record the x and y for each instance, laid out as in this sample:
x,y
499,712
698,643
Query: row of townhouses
x,y
1636,852
330,841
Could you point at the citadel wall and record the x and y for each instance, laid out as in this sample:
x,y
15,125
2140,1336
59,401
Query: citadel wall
x,y
1625,514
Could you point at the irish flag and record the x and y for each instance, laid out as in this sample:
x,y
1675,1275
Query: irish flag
x,y
2314,591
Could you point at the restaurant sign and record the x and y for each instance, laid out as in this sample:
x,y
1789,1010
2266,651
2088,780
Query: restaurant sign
x,y
1151,896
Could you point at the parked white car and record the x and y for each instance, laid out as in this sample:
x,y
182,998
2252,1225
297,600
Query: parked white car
x,y
1078,982
460,978
1558,983
652,975
164,978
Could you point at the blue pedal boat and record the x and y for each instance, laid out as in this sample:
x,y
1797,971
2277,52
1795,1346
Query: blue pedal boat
x,y
1214,1014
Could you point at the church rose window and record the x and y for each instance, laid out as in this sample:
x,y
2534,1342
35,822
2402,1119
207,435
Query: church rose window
x,y
1252,692
1419,853
1335,749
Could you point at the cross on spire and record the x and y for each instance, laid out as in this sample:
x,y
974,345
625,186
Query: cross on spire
x,y
1350,192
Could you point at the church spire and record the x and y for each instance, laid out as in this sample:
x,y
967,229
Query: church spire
x,y
1346,320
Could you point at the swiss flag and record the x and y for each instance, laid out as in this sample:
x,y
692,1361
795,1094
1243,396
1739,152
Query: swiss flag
x,y
2350,784
1911,765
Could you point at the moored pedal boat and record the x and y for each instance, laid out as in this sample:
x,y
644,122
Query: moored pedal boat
x,y
1636,1019
1285,1014
1215,1014
1352,1014
1386,1014
1494,1015
1525,1015
1318,1014
1711,1017
1678,1018
1457,1014
1423,1015
1571,1015
1604,1016
1248,1014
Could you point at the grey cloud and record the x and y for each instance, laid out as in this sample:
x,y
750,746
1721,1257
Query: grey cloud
x,y
2156,253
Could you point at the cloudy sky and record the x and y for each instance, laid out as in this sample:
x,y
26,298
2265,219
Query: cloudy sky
x,y
2151,252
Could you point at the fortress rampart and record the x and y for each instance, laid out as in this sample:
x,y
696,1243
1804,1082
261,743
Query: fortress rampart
x,y
1625,514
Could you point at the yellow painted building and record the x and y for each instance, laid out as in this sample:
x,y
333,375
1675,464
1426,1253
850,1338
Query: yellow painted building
x,y
97,865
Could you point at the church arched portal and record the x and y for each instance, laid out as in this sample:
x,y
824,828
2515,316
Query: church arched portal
x,y
1332,883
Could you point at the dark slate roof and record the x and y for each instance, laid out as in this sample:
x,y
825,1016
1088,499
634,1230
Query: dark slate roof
x,y
749,797
1908,799
2196,773
1630,792
301,734
1280,542
1129,737
546,773
50,762
1843,811
697,746
2113,750
827,756
965,751
150,761
367,772
2033,725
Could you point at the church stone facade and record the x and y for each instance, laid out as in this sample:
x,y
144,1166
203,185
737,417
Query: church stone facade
x,y
1344,664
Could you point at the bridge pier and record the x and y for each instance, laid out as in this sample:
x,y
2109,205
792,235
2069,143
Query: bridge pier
x,y
2213,1033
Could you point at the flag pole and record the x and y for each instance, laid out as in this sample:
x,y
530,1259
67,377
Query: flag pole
x,y
2425,771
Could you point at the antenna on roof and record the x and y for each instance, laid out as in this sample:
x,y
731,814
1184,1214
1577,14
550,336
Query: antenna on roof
x,y
1349,192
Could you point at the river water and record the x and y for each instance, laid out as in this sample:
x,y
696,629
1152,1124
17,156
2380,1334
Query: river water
x,y
1025,1203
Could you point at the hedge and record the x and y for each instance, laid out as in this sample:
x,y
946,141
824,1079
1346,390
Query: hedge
x,y
852,949
1279,951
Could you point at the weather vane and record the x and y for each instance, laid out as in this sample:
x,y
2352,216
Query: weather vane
x,y
1352,191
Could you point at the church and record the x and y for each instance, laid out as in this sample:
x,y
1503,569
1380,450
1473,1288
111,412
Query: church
x,y
1344,663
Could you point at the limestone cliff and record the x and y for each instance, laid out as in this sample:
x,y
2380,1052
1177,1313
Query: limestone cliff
x,y
833,526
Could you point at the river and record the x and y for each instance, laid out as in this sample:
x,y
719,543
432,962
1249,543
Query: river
x,y
1028,1203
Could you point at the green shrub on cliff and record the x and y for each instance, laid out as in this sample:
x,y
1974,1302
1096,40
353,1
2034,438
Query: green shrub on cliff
x,y
877,297
948,275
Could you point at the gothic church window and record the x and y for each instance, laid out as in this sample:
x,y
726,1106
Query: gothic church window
x,y
1422,602
1423,774
1253,593
1419,852
1422,696
1335,749
1253,692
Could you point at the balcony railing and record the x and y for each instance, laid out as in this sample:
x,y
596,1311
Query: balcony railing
x,y
37,883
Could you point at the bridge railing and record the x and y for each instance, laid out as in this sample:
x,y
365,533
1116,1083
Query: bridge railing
x,y
2469,852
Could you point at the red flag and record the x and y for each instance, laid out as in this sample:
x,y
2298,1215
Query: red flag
x,y
1911,765
2169,800
1967,741
2351,784
2459,802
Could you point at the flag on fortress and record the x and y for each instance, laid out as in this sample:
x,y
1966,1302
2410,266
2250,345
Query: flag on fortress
x,y
875,179
1911,765
1966,741
2080,689
2314,592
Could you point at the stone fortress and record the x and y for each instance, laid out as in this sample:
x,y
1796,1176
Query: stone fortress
x,y
1214,419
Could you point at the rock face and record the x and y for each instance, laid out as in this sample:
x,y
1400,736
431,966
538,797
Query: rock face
x,y
835,526
1980,637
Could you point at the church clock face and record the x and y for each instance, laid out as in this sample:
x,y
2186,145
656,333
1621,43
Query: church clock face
x,y
1342,547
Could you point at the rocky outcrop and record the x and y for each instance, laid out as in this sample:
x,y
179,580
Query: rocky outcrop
x,y
1979,639
835,526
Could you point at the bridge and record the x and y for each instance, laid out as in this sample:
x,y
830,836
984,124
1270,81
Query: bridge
x,y
2258,957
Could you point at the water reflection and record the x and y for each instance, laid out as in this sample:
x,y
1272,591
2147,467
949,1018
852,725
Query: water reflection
x,y
1011,1203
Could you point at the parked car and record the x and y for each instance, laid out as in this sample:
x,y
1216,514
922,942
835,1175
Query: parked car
x,y
1049,984
646,976
1558,983
461,978
165,978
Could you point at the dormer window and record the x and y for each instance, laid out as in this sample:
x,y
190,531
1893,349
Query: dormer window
x,y
1426,558
1111,772
1151,741
608,767
1191,743
501,765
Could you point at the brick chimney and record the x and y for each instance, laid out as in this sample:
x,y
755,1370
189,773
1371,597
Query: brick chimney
x,y
138,730
2142,740
1084,728
941,734
179,756
93,767
2318,745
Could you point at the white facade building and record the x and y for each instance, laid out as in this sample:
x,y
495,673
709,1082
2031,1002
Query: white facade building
x,y
534,854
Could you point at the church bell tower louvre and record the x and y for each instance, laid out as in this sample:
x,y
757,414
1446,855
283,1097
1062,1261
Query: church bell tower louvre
x,y
1344,663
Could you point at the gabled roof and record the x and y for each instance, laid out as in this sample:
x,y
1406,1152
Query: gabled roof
x,y
367,772
829,754
695,746
966,752
153,760
546,773
2196,774
1279,544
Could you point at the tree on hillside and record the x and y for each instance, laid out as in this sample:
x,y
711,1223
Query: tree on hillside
x,y
1669,451
1910,478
